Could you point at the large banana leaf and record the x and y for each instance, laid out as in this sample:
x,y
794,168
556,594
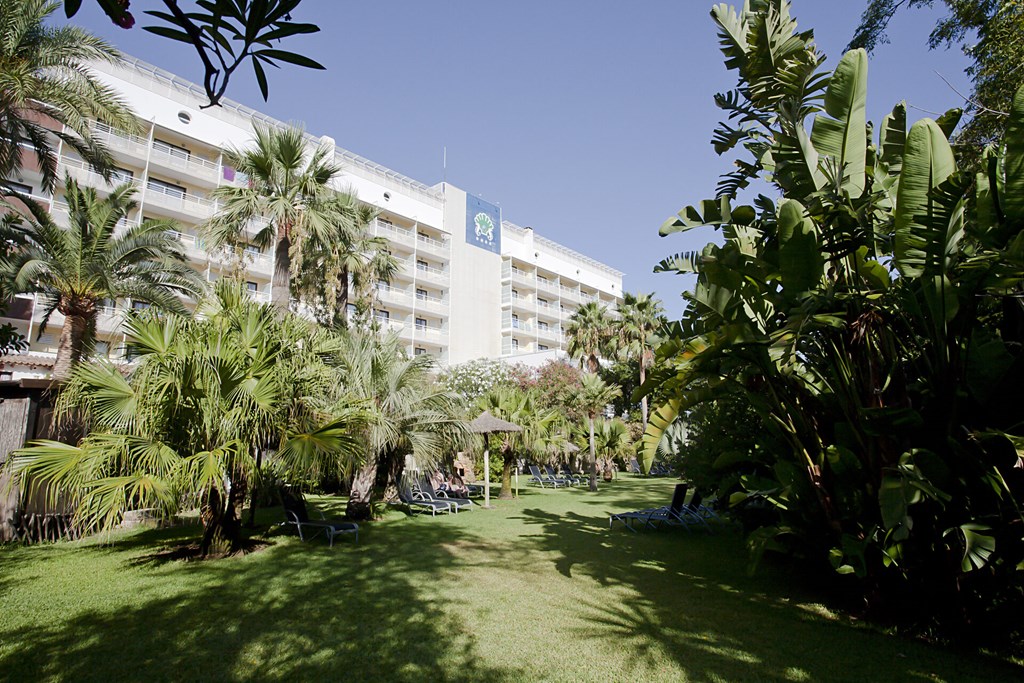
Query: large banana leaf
x,y
1013,164
927,162
892,138
841,134
659,421
800,260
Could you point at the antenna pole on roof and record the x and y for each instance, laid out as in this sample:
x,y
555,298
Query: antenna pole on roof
x,y
444,164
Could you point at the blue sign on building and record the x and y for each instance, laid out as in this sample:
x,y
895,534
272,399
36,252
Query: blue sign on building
x,y
483,224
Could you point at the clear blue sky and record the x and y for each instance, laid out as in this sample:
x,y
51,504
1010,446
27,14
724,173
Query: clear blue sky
x,y
588,120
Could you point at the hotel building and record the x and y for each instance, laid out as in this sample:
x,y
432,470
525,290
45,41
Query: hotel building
x,y
470,285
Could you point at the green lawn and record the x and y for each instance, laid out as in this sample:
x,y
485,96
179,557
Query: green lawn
x,y
537,589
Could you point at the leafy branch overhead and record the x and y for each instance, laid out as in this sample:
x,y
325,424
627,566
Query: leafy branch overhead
x,y
225,34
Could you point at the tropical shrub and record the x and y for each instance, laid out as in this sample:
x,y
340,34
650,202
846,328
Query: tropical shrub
x,y
871,316
190,423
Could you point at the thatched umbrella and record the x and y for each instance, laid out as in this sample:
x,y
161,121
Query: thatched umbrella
x,y
487,424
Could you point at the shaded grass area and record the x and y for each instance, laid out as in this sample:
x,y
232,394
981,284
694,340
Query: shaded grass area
x,y
537,589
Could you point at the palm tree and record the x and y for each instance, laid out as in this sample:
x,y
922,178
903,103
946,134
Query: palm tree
x,y
541,428
593,397
640,316
349,253
186,427
611,440
289,193
589,331
97,258
409,413
47,94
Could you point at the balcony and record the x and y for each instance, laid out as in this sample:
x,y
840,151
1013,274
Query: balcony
x,y
432,246
547,310
431,303
427,333
569,293
550,334
185,204
184,165
84,175
117,140
394,296
394,233
430,274
509,322
545,285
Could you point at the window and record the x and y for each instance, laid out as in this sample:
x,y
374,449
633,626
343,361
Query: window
x,y
421,264
19,187
167,188
385,223
515,320
424,235
543,303
515,293
541,325
121,175
422,294
515,344
172,150
252,250
383,316
6,376
420,351
541,347
541,280
421,323
140,305
252,286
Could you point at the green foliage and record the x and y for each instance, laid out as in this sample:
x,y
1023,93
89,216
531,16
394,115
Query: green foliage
x,y
188,425
49,97
988,32
473,379
870,319
224,33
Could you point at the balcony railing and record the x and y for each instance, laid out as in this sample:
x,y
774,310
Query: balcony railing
x,y
430,273
180,201
393,232
431,244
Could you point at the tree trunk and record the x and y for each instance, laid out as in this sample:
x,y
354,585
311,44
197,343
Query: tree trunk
x,y
69,348
395,469
341,307
593,456
643,401
222,522
506,475
361,497
281,284
255,489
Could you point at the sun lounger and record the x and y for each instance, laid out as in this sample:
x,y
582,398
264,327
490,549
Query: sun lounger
x,y
417,501
442,496
297,515
682,512
568,481
543,480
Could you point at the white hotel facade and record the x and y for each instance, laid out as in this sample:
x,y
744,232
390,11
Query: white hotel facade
x,y
470,285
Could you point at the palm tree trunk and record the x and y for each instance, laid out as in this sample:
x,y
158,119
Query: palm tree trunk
x,y
69,348
222,523
341,308
281,284
593,456
643,401
506,475
361,496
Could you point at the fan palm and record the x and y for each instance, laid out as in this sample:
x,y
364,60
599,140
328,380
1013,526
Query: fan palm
x,y
540,434
593,397
289,193
640,316
186,427
409,412
611,439
46,92
74,269
589,332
